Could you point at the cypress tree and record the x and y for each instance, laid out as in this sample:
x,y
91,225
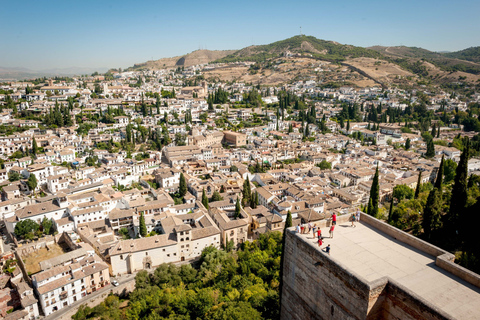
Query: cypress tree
x,y
419,182
34,147
237,209
407,144
374,196
288,224
438,182
182,189
390,212
246,191
204,199
430,149
143,226
459,189
434,130
432,213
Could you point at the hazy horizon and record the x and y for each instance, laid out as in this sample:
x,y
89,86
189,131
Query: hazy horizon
x,y
57,35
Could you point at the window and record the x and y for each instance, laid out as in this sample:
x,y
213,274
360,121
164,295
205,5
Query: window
x,y
121,257
168,255
146,253
73,291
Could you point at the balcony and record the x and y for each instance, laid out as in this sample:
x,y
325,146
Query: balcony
x,y
63,295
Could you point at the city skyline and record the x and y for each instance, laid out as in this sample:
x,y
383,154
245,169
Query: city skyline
x,y
111,35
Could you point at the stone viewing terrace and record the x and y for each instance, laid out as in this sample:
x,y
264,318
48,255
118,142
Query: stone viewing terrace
x,y
396,274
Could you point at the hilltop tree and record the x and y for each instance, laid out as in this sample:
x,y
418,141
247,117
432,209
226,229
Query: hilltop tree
x,y
374,196
143,226
182,189
419,182
205,199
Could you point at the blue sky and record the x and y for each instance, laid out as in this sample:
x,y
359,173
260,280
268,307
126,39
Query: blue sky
x,y
60,34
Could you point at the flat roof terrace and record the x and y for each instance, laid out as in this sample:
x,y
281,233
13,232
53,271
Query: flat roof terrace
x,y
370,254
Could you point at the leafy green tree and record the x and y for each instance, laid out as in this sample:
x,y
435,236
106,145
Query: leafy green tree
x,y
13,176
402,191
419,183
182,189
407,144
24,227
143,226
449,169
32,182
47,225
324,164
216,196
233,168
374,196
124,233
205,199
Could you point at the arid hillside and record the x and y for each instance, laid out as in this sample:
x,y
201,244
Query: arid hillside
x,y
191,59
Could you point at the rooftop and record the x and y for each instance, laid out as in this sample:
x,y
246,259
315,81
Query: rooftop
x,y
371,254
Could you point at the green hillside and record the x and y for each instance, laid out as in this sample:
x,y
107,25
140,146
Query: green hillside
x,y
302,44
410,58
470,54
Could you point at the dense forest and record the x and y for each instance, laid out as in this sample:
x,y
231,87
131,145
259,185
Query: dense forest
x,y
226,285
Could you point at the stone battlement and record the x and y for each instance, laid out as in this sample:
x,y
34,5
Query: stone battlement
x,y
374,271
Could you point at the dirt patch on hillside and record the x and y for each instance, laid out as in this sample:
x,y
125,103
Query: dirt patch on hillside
x,y
381,70
32,260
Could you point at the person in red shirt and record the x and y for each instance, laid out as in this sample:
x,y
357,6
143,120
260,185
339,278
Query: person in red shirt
x,y
331,230
334,219
320,242
319,233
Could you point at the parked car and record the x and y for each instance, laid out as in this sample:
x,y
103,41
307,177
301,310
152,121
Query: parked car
x,y
115,283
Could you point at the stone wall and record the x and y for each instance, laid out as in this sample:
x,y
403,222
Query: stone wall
x,y
400,303
317,288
